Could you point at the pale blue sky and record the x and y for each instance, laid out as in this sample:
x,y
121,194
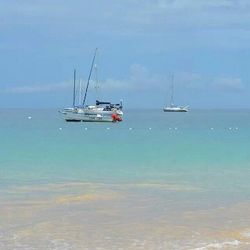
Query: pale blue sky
x,y
205,44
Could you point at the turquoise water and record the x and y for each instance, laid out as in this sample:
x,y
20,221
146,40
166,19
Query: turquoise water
x,y
205,147
147,145
183,161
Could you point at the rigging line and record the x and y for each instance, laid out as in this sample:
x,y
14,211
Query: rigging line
x,y
74,90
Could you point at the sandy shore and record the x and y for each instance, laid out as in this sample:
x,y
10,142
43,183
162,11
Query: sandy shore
x,y
125,216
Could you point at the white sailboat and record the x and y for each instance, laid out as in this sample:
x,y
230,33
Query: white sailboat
x,y
100,112
172,107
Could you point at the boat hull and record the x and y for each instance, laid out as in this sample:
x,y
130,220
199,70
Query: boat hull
x,y
92,111
175,110
90,117
87,119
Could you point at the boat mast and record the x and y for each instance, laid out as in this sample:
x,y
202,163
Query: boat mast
x,y
172,91
80,91
74,90
96,80
90,72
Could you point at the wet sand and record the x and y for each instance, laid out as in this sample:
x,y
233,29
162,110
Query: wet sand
x,y
119,216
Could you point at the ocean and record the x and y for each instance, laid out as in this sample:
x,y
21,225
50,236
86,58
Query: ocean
x,y
154,181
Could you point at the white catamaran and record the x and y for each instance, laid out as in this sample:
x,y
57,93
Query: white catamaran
x,y
172,107
100,112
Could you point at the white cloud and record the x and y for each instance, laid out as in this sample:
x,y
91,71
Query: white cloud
x,y
201,4
163,24
37,88
141,79
137,15
228,84
199,82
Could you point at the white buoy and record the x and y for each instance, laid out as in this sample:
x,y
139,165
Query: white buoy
x,y
236,128
108,128
230,128
149,128
212,128
86,128
130,128
29,117
60,128
175,128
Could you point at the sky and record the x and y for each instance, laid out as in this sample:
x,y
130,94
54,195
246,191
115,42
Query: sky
x,y
141,44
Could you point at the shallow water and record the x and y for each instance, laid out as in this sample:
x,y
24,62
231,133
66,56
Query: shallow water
x,y
154,181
